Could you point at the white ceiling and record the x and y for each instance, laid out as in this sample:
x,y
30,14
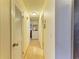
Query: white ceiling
x,y
34,5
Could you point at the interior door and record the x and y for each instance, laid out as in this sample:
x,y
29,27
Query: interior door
x,y
16,33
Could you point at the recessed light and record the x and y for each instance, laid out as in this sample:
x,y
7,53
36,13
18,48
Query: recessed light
x,y
34,14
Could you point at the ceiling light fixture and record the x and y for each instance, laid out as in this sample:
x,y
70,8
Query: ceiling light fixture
x,y
34,14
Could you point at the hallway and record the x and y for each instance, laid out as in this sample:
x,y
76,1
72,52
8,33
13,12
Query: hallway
x,y
27,29
34,51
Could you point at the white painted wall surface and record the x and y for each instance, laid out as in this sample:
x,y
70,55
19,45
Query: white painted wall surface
x,y
63,29
49,31
26,33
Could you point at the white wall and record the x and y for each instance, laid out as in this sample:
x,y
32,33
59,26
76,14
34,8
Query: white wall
x,y
41,31
49,32
63,29
4,29
26,33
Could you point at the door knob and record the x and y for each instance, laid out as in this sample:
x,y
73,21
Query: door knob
x,y
15,44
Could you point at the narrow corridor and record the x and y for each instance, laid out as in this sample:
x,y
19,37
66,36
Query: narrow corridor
x,y
34,50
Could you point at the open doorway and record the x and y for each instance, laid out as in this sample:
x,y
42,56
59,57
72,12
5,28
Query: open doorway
x,y
34,23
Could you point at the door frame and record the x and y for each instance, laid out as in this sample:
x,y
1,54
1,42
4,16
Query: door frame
x,y
72,29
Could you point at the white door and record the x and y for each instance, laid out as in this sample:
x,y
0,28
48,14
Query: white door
x,y
16,33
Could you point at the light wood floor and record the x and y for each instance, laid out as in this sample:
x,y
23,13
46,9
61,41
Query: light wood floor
x,y
34,51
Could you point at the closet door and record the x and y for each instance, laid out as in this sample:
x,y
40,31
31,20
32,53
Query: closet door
x,y
16,32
